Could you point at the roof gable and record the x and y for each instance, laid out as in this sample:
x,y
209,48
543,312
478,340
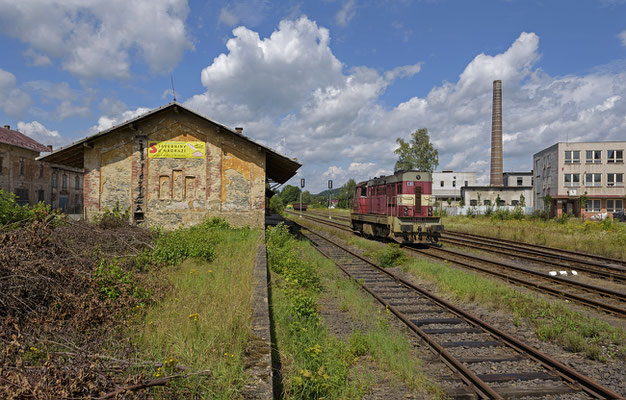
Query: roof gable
x,y
279,167
15,138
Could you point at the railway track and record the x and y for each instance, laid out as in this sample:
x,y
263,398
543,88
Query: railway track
x,y
591,259
612,270
593,296
486,362
603,267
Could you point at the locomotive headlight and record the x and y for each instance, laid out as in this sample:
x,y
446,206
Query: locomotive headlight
x,y
405,211
430,211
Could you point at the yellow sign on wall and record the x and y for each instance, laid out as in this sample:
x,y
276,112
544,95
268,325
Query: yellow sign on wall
x,y
176,149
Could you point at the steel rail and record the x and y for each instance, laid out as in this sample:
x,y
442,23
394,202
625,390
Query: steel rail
x,y
585,286
514,252
567,373
468,376
554,251
532,285
536,286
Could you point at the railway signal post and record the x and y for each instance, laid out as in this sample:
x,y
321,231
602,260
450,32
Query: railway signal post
x,y
330,193
301,187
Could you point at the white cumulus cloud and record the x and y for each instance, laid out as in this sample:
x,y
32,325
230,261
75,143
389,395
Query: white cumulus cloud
x,y
347,12
291,92
13,100
40,133
276,73
622,37
108,121
94,38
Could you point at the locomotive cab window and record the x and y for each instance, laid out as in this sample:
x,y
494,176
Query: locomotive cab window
x,y
363,191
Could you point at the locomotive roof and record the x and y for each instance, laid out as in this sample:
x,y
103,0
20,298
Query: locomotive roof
x,y
399,176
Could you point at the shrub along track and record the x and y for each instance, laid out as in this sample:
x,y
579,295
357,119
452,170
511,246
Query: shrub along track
x,y
596,297
469,346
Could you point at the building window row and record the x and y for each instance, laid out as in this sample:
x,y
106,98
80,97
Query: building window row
x,y
612,205
594,156
612,179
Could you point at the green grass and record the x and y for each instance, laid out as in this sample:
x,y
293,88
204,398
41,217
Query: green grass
x,y
552,320
317,364
604,238
203,323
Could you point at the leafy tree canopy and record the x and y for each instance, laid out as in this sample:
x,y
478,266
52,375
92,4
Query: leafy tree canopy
x,y
418,153
346,194
290,194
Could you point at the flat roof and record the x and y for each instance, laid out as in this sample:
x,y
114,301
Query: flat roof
x,y
279,168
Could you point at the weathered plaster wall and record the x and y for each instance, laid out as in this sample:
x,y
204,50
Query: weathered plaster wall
x,y
170,192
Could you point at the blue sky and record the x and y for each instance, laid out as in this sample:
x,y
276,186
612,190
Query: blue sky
x,y
332,83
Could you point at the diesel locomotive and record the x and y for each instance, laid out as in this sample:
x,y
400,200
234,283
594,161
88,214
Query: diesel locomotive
x,y
398,206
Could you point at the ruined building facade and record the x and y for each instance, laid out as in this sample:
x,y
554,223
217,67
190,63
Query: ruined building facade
x,y
34,181
172,166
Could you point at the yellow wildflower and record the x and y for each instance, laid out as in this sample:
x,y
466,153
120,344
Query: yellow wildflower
x,y
194,317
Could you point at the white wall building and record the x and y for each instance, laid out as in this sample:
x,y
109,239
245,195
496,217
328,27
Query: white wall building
x,y
517,191
448,184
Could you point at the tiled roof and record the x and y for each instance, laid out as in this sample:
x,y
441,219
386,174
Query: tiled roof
x,y
18,139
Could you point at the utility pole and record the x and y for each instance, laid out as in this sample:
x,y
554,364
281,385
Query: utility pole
x,y
301,187
330,193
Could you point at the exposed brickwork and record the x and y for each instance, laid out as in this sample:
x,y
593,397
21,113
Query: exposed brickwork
x,y
170,192
23,175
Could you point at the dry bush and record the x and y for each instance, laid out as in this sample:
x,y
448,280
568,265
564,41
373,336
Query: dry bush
x,y
53,322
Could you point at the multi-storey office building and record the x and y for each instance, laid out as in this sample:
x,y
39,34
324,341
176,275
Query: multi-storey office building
x,y
567,172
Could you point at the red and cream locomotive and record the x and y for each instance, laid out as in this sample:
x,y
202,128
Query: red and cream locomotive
x,y
398,206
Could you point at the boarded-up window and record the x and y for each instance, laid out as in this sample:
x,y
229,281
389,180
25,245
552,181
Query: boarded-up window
x,y
190,187
164,187
178,185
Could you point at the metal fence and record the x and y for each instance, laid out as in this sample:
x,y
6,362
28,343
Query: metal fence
x,y
476,210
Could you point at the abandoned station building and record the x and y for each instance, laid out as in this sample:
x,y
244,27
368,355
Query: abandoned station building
x,y
35,181
172,166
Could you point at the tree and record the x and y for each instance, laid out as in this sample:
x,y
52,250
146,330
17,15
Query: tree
x,y
547,203
290,194
346,194
306,197
522,200
418,153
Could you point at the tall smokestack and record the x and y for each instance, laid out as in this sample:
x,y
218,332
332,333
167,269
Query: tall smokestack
x,y
496,136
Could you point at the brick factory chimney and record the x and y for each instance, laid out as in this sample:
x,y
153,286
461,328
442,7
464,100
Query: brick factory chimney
x,y
239,130
496,136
